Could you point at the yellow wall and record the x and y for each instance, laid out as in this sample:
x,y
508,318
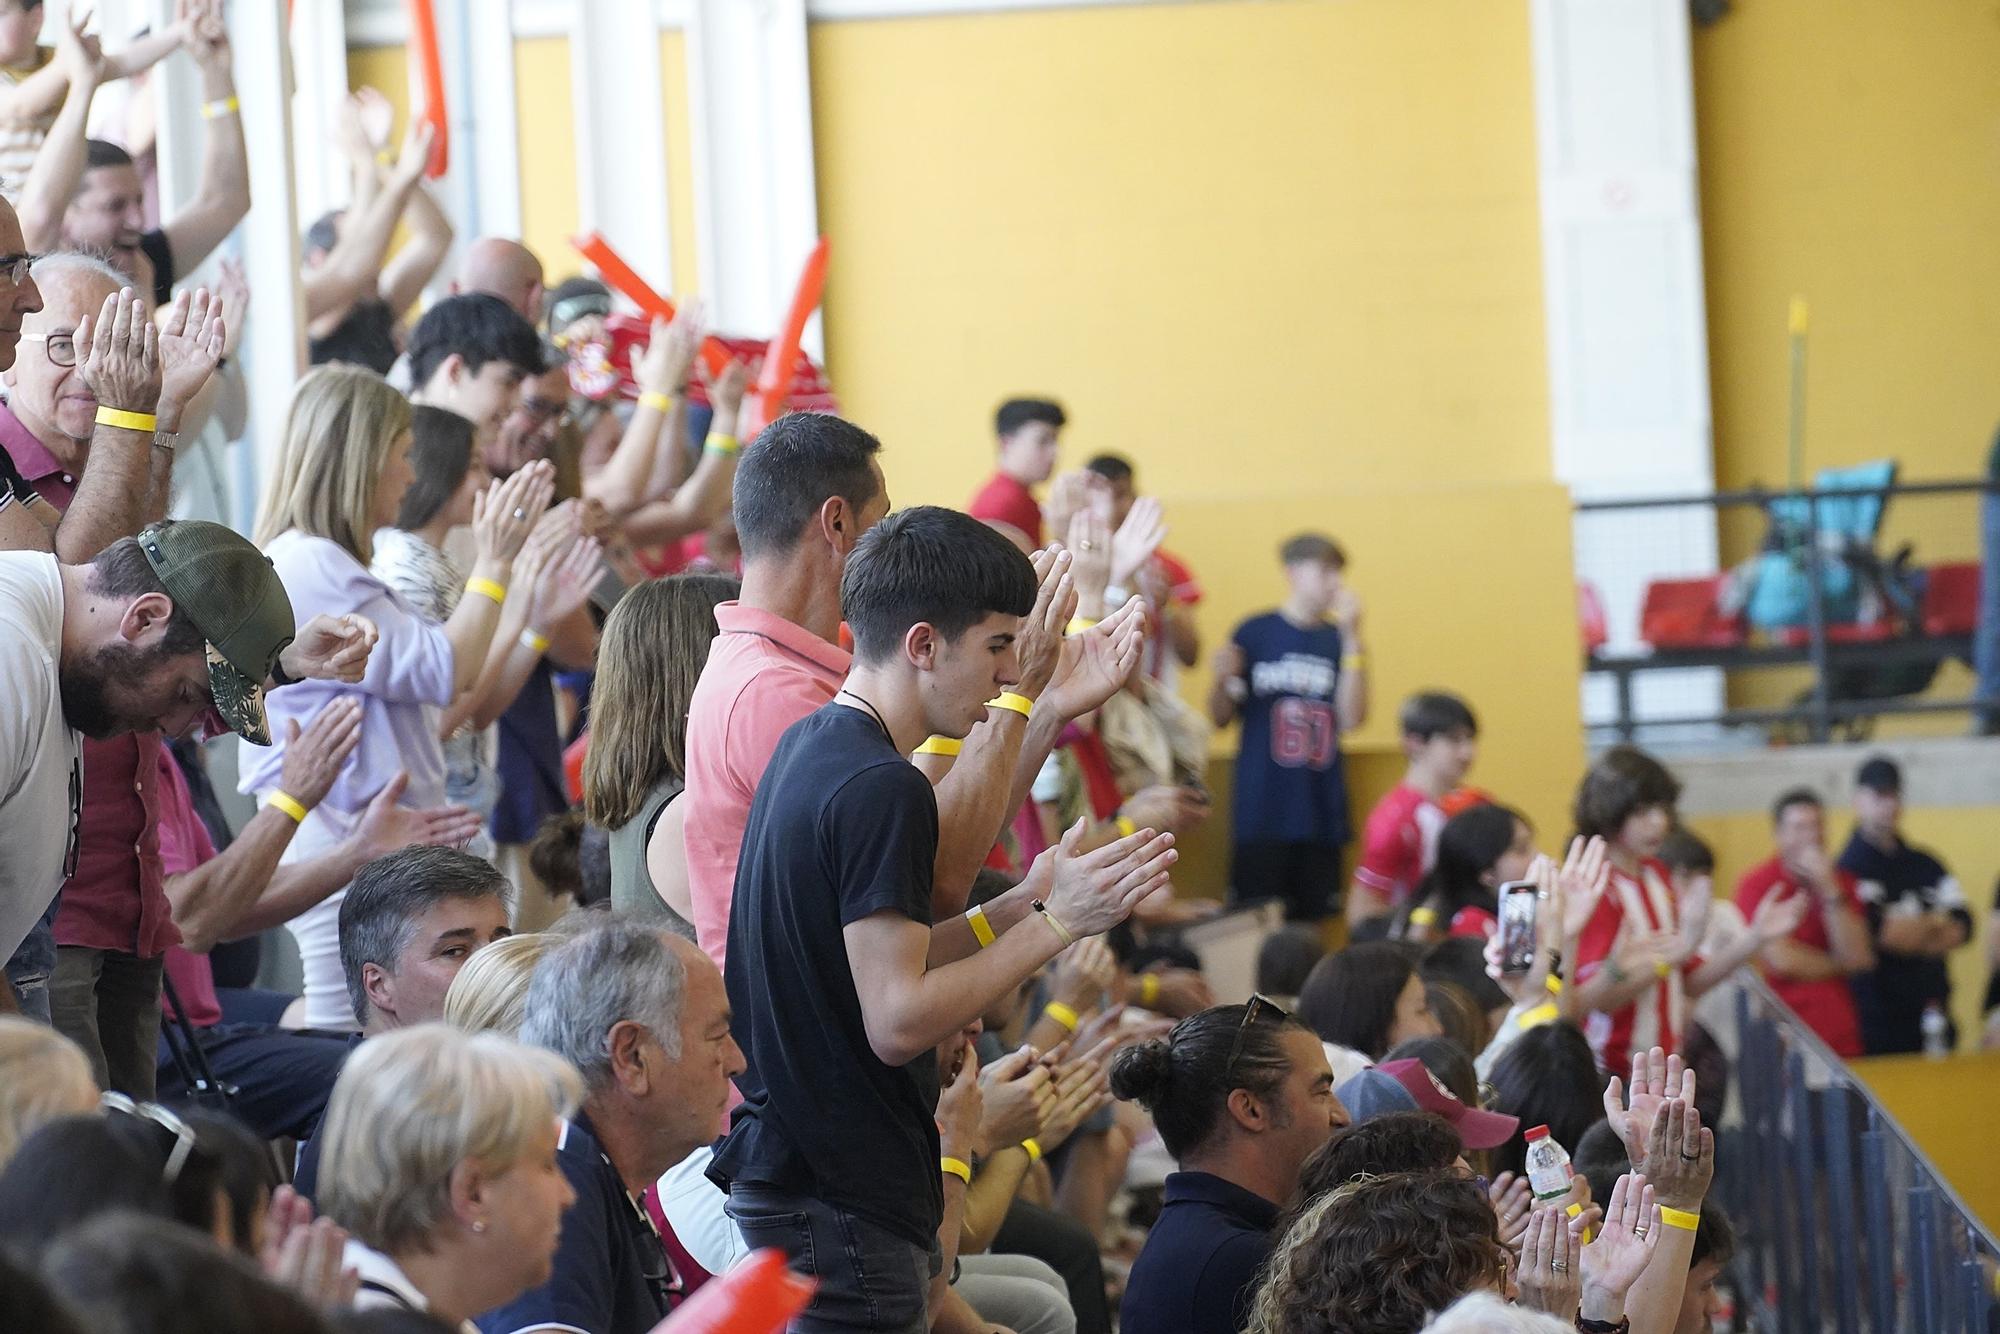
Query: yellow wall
x,y
1286,255
680,161
387,70
1960,837
547,147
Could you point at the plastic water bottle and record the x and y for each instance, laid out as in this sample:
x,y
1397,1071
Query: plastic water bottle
x,y
1549,1172
1937,1031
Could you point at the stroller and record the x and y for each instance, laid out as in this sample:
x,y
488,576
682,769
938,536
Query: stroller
x,y
1865,598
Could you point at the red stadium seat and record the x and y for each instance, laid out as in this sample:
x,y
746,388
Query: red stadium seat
x,y
1590,616
1951,599
1687,613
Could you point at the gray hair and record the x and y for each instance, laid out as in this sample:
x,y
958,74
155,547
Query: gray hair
x,y
410,1106
81,262
614,973
1484,1313
389,894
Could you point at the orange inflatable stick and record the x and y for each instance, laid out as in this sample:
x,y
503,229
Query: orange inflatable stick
x,y
781,360
757,1297
430,70
619,275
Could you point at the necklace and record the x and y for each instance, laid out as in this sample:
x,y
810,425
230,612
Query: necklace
x,y
873,712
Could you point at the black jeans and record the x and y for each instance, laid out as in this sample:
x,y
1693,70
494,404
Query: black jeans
x,y
1305,875
108,1003
869,1277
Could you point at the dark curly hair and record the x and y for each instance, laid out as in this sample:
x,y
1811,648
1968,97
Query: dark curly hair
x,y
1380,1256
1397,1142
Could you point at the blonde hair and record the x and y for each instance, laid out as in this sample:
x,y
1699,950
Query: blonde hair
x,y
43,1076
341,427
654,645
490,993
413,1104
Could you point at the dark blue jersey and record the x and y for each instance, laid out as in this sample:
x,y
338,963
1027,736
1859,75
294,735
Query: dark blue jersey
x,y
1290,783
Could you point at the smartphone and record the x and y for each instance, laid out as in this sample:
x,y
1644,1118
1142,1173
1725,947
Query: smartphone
x,y
1518,900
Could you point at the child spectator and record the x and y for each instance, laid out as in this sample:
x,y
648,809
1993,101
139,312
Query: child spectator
x,y
1295,676
1478,851
1399,843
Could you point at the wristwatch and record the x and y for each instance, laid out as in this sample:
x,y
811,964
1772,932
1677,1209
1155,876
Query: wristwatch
x,y
1622,1326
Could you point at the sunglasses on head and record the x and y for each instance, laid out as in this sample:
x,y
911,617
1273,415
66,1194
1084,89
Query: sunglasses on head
x,y
183,1133
1257,1003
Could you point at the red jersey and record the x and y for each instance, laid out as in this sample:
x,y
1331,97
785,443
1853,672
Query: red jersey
x,y
1826,1004
1658,1018
1005,500
1399,843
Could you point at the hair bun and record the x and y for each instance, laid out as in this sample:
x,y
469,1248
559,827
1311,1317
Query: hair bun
x,y
1140,1073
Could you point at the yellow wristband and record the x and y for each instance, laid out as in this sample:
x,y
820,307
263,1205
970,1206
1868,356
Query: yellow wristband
x,y
956,1167
657,401
487,588
941,745
1125,826
1541,1014
1034,1150
723,444
1555,985
534,641
289,804
1079,624
1149,990
1680,1218
222,106
1662,968
982,930
1013,702
1062,1014
127,421
1574,1210
1423,917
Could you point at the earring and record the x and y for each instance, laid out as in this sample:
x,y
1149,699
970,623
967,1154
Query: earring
x,y
478,1225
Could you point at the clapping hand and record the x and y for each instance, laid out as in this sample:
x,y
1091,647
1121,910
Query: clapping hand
x,y
1133,545
1513,1200
1680,1157
1096,664
314,756
1095,891
305,1256
118,354
1017,1092
1624,1245
1039,646
1656,1078
1550,1278
505,513
387,827
191,342
330,648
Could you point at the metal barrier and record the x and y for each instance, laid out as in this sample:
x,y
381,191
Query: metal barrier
x,y
1853,665
1843,1223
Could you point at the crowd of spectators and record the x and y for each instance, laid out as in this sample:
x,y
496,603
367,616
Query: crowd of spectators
x,y
686,853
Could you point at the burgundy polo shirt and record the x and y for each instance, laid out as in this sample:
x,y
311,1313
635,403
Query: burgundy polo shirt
x,y
117,900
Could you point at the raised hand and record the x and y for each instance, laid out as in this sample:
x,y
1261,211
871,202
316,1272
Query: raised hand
x,y
1585,874
726,391
1513,1200
416,153
1680,1157
305,1256
1090,544
330,648
564,582
1039,645
505,513
80,54
1778,916
1070,492
386,827
232,293
314,756
670,349
1550,1278
1133,545
1082,1084
1095,891
1347,610
1084,972
1096,664
1017,1092
118,354
191,342
1624,1245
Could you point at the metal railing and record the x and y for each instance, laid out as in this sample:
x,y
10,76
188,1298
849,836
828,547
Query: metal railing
x,y
1843,1223
1828,655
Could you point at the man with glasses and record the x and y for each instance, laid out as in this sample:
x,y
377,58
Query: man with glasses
x,y
149,637
1241,1095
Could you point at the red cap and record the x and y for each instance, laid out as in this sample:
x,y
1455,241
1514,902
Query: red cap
x,y
1477,1127
1538,1132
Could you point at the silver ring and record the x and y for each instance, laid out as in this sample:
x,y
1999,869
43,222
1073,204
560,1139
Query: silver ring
x,y
520,514
1086,545
1640,1232
1560,1266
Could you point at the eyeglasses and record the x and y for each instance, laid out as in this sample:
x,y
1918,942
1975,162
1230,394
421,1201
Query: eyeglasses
x,y
61,347
183,1133
17,265
654,1265
540,409
1257,1002
73,851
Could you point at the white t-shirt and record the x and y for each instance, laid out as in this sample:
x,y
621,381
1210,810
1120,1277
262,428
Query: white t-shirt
x,y
39,751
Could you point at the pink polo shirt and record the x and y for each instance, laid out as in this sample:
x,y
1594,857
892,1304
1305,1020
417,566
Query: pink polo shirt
x,y
763,674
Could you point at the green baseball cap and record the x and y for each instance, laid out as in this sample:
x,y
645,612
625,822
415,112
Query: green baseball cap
x,y
230,591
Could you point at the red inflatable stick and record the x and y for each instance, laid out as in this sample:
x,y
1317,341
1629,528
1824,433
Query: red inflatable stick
x,y
757,1297
618,275
430,70
774,385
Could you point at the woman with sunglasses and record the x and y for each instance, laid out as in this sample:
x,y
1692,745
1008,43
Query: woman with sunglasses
x,y
439,1159
1241,1095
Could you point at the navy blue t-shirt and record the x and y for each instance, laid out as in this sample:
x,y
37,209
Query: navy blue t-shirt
x,y
611,1273
1892,998
842,827
1198,1270
1290,783
530,760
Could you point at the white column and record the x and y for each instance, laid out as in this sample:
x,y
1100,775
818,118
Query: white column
x,y
319,71
621,142
274,351
1626,326
491,126
756,213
